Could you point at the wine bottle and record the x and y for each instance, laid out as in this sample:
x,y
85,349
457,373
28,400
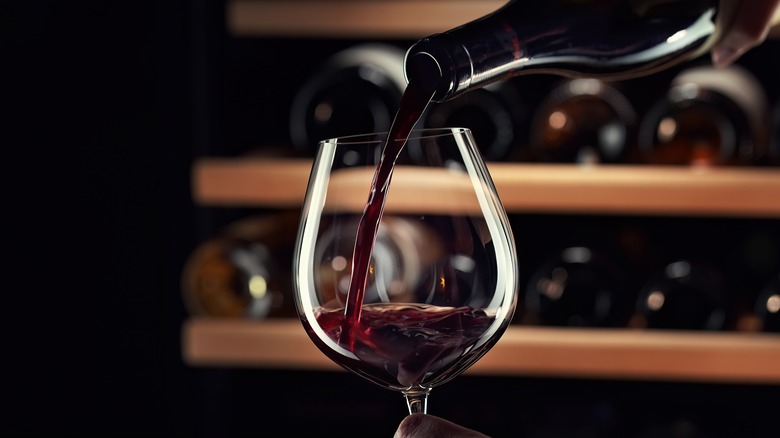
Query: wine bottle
x,y
685,295
355,90
585,121
708,116
682,427
243,271
768,306
579,287
611,39
775,142
496,115
401,252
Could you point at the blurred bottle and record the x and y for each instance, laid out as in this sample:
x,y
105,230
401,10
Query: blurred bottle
x,y
244,271
755,257
677,428
775,146
578,287
768,306
496,115
406,254
708,117
685,295
583,121
356,90
568,416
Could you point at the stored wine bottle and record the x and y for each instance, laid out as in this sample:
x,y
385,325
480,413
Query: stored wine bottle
x,y
243,272
686,295
671,428
356,90
768,306
495,114
397,253
775,144
598,38
708,116
583,121
577,287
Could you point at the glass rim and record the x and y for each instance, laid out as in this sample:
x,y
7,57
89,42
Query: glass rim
x,y
378,137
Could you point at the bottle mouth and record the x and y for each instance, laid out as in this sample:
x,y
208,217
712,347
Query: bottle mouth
x,y
425,72
431,64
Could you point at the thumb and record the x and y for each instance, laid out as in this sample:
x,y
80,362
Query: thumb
x,y
429,426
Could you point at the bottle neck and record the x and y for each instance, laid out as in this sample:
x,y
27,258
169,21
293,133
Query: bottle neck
x,y
599,38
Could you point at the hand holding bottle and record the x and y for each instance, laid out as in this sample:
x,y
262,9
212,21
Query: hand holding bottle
x,y
746,24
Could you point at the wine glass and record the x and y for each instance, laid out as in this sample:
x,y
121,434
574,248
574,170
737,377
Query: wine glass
x,y
411,288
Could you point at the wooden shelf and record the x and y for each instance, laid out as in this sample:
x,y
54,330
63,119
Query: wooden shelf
x,y
523,351
616,189
406,19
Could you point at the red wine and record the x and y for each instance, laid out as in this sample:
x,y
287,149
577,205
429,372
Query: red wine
x,y
415,99
399,345
435,70
405,345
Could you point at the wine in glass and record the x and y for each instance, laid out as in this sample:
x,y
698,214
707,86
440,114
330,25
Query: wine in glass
x,y
411,288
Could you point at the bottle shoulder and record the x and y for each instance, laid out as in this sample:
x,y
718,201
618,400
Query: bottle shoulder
x,y
610,40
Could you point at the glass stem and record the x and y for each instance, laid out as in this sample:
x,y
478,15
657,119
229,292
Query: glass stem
x,y
417,400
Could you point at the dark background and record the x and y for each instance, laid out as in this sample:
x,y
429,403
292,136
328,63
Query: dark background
x,y
107,105
100,111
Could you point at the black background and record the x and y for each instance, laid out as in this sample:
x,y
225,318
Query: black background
x,y
99,130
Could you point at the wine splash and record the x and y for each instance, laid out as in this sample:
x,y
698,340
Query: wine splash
x,y
403,345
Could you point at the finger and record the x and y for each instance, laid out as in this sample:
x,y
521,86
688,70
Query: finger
x,y
748,28
429,426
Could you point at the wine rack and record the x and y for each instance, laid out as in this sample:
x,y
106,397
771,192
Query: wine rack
x,y
280,183
617,353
